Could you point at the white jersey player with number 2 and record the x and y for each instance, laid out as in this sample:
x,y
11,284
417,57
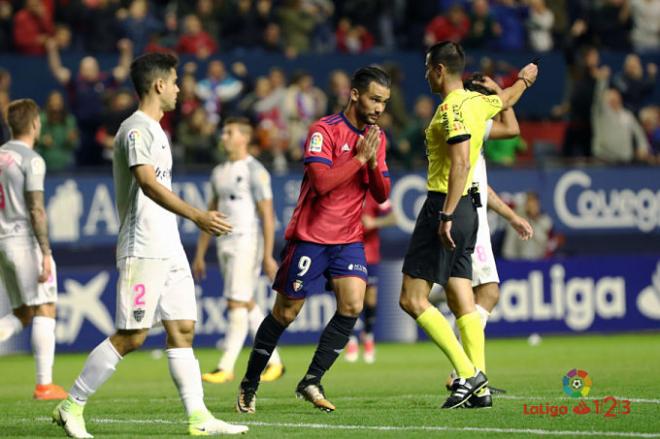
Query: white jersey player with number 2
x,y
155,282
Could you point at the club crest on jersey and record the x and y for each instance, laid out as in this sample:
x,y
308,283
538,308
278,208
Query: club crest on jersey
x,y
316,142
297,285
138,314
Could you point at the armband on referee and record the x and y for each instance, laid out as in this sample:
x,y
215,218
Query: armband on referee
x,y
446,217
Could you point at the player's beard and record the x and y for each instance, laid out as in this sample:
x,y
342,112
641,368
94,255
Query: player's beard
x,y
367,118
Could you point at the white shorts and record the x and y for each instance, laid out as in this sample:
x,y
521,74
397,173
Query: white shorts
x,y
484,270
20,267
240,258
151,290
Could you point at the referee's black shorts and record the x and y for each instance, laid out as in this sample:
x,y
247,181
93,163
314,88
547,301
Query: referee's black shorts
x,y
427,258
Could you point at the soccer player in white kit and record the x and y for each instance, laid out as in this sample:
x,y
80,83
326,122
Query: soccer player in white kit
x,y
242,191
27,269
155,282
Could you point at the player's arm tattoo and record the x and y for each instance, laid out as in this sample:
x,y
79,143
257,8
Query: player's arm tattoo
x,y
35,203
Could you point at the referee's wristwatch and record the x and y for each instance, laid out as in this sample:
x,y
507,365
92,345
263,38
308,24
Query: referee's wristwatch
x,y
446,217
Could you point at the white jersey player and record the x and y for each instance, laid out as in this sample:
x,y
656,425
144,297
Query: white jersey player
x,y
242,191
27,270
155,282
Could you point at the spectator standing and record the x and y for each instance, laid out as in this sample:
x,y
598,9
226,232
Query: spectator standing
x,y
645,32
59,134
539,24
510,17
86,93
297,26
538,246
617,136
138,24
195,40
33,25
633,85
219,91
452,26
99,26
483,27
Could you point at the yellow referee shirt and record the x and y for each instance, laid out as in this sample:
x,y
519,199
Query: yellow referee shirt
x,y
461,116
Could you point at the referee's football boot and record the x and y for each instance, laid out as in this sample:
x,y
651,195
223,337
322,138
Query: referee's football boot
x,y
246,402
452,377
463,388
314,393
480,400
496,390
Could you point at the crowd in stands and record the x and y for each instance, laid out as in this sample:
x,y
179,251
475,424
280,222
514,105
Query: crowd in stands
x,y
608,116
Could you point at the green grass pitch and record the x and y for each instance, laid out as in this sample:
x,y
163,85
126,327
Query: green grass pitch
x,y
398,396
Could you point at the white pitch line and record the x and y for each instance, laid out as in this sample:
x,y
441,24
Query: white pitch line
x,y
392,428
529,398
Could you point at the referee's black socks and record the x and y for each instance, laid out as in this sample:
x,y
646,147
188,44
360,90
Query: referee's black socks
x,y
332,342
265,341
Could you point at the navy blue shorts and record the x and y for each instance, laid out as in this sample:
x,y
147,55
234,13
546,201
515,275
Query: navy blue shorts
x,y
373,270
307,266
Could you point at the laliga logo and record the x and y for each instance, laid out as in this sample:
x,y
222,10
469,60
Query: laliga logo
x,y
577,383
597,209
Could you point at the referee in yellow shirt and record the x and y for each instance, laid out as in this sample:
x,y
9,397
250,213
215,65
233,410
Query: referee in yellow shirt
x,y
446,228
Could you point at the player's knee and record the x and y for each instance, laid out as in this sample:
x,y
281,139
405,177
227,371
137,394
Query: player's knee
x,y
352,308
25,314
285,316
410,304
128,341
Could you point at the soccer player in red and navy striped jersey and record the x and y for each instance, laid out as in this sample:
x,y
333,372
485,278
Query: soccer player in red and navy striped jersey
x,y
344,159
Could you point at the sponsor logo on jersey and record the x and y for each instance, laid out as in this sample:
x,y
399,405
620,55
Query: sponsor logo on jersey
x,y
345,148
316,142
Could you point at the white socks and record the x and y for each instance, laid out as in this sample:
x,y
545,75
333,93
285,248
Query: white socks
x,y
43,347
234,338
483,314
255,317
10,325
184,369
100,365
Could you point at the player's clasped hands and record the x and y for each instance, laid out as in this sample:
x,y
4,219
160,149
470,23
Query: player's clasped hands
x,y
214,222
368,145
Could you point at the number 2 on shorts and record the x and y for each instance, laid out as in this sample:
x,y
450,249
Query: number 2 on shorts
x,y
303,264
139,297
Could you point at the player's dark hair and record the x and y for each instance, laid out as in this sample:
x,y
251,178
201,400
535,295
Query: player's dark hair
x,y
149,67
366,75
21,114
449,54
243,123
472,84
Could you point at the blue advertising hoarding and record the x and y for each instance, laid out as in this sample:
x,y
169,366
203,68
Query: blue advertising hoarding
x,y
579,201
574,295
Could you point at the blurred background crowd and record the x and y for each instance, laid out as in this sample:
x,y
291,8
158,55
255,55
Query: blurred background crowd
x,y
607,114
